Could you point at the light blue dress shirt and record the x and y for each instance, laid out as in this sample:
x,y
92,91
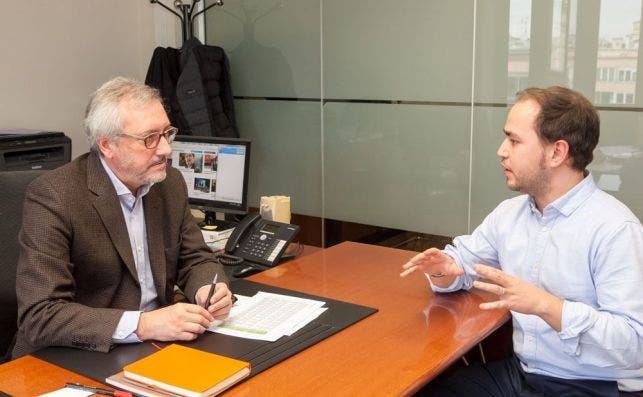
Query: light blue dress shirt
x,y
134,215
585,248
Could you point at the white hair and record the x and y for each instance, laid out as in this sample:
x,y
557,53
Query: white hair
x,y
103,117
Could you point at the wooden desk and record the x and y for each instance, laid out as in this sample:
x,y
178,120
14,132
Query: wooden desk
x,y
29,376
412,338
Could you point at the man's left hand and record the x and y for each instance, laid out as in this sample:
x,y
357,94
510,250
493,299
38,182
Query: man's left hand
x,y
519,296
220,303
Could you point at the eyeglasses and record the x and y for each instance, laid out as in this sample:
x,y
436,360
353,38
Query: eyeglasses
x,y
152,140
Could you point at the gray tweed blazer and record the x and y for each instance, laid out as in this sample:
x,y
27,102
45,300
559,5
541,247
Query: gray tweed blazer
x,y
76,275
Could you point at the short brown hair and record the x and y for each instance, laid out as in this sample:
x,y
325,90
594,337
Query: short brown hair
x,y
566,115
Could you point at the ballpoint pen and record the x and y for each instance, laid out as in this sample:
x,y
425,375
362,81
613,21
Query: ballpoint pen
x,y
211,292
98,390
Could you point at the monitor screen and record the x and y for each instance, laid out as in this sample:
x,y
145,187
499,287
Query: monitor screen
x,y
215,171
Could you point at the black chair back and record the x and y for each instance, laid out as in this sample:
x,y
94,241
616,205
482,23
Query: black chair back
x,y
12,193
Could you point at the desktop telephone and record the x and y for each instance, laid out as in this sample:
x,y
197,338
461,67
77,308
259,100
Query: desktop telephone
x,y
258,241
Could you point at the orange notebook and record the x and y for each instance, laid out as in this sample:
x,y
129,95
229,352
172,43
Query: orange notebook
x,y
187,371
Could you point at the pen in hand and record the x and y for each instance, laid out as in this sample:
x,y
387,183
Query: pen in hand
x,y
206,304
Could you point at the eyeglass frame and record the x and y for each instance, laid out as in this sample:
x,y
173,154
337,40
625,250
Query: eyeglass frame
x,y
169,134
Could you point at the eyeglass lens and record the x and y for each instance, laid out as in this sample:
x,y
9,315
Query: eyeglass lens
x,y
152,141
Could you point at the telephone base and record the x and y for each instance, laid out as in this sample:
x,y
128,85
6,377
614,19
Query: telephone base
x,y
245,269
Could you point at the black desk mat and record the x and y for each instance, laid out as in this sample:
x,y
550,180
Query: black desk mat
x,y
261,354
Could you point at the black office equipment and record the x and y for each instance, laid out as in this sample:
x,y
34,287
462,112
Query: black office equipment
x,y
246,270
258,241
33,150
261,354
215,170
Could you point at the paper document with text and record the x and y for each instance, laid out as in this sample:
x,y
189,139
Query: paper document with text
x,y
268,316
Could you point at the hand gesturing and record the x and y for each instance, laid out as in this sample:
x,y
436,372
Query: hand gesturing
x,y
434,262
518,295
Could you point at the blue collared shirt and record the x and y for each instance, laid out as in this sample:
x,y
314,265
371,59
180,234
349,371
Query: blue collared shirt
x,y
585,248
132,207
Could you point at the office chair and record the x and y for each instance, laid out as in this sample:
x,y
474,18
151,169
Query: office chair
x,y
12,193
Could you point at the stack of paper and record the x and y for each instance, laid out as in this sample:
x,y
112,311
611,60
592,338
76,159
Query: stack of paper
x,y
267,316
216,239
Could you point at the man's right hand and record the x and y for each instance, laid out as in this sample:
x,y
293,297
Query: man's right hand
x,y
181,321
435,263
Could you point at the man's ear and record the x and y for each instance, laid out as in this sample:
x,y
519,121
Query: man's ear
x,y
106,147
559,153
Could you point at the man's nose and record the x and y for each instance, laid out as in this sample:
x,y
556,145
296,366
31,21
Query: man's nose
x,y
164,148
502,149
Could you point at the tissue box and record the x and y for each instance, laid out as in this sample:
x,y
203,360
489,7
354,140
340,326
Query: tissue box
x,y
275,208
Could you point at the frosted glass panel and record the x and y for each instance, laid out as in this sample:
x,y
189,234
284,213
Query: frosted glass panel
x,y
618,159
399,166
492,42
404,165
285,153
488,187
273,46
406,50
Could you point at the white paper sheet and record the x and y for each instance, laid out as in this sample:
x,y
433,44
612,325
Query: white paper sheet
x,y
67,392
268,316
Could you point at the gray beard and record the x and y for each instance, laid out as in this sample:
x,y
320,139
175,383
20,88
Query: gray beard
x,y
156,179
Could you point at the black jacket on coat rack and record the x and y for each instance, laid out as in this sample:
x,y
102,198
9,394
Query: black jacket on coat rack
x,y
195,85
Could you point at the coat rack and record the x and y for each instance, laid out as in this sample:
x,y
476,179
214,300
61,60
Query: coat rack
x,y
188,15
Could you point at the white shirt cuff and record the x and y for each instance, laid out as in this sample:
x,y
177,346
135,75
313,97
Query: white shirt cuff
x,y
124,332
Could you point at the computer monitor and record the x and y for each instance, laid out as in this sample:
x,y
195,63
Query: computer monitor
x,y
215,170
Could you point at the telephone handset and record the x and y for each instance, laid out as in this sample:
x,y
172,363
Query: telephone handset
x,y
258,240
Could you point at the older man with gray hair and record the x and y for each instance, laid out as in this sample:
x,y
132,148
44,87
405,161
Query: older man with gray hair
x,y
106,238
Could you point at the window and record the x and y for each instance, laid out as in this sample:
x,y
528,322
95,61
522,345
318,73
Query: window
x,y
603,97
607,97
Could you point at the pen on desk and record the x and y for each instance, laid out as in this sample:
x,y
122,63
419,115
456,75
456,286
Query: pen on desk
x,y
98,390
206,304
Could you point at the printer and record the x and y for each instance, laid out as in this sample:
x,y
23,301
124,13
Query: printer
x,y
23,149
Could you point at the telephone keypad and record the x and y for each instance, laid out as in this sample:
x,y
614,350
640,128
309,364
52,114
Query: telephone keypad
x,y
258,246
264,247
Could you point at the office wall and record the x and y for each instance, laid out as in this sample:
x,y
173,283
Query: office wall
x,y
55,53
389,113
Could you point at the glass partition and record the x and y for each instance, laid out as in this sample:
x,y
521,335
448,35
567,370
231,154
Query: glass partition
x,y
275,59
387,115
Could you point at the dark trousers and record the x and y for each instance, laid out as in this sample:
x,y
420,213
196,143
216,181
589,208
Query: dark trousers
x,y
505,378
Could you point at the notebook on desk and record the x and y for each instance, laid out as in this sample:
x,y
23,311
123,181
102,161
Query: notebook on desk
x,y
180,370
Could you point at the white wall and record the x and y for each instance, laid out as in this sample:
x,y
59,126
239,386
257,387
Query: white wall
x,y
53,54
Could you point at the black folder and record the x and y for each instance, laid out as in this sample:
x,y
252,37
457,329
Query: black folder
x,y
261,354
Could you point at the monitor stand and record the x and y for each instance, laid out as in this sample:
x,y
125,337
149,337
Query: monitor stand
x,y
210,222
